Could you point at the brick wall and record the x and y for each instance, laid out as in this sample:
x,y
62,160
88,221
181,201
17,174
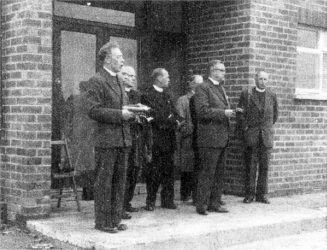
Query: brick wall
x,y
250,35
26,82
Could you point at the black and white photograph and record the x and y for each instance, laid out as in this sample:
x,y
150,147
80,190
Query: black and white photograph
x,y
163,124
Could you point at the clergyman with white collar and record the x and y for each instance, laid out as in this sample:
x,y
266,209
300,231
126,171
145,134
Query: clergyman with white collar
x,y
213,115
164,124
259,112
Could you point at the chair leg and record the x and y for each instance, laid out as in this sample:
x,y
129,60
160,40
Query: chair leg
x,y
60,194
76,194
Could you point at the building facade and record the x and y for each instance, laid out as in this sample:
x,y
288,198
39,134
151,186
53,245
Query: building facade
x,y
49,46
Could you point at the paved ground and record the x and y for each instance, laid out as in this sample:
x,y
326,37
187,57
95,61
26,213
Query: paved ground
x,y
12,237
316,240
185,229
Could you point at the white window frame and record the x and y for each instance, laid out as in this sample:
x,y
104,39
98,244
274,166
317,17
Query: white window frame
x,y
314,94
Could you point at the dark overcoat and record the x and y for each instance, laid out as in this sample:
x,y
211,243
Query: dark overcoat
x,y
213,125
253,123
105,101
164,119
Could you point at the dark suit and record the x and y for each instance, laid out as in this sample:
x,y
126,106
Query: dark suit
x,y
196,166
135,155
212,139
112,139
161,169
260,113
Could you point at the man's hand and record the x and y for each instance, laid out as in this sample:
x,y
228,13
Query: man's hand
x,y
127,115
230,113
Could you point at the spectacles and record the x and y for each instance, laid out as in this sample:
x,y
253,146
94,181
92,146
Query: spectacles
x,y
221,70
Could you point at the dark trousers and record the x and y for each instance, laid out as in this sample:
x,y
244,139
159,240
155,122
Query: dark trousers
x,y
160,172
109,186
211,177
257,160
187,185
131,180
196,172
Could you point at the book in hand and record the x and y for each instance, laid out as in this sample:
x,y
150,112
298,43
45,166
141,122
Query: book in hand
x,y
137,108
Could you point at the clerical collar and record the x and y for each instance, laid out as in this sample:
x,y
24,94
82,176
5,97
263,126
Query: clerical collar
x,y
213,81
110,71
260,90
158,88
127,89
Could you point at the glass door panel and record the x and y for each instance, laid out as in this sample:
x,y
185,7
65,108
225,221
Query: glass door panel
x,y
78,60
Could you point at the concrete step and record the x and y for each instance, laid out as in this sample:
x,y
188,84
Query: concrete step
x,y
316,240
184,229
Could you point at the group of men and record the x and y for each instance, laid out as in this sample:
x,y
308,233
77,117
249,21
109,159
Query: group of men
x,y
201,118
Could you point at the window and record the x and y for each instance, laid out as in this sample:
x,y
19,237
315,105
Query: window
x,y
311,77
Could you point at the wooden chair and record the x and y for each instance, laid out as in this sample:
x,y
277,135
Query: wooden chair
x,y
68,172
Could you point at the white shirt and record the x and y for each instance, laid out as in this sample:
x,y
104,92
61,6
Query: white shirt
x,y
128,89
110,72
158,88
213,81
260,90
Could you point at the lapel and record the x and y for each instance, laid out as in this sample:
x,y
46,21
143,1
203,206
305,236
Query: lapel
x,y
267,101
225,96
217,92
255,99
108,78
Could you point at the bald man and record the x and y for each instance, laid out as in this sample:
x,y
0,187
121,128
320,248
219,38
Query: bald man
x,y
258,112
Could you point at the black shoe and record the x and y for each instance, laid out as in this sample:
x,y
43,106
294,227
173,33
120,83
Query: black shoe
x,y
170,206
121,227
131,209
248,199
222,203
262,200
201,211
126,216
110,230
187,198
149,208
217,209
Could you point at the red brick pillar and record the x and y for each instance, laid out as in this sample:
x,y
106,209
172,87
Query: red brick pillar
x,y
26,95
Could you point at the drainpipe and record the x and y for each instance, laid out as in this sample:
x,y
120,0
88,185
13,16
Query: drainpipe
x,y
3,205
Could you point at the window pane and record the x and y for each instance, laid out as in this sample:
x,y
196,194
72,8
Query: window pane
x,y
324,40
324,79
78,60
307,71
307,38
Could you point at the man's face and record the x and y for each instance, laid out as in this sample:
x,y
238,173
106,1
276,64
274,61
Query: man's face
x,y
164,79
129,77
124,76
116,60
217,72
261,80
132,76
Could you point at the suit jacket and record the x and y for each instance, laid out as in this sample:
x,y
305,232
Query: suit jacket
x,y
164,119
105,97
133,97
213,126
254,121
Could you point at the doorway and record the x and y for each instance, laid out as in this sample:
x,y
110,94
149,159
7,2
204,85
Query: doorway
x,y
146,45
75,47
